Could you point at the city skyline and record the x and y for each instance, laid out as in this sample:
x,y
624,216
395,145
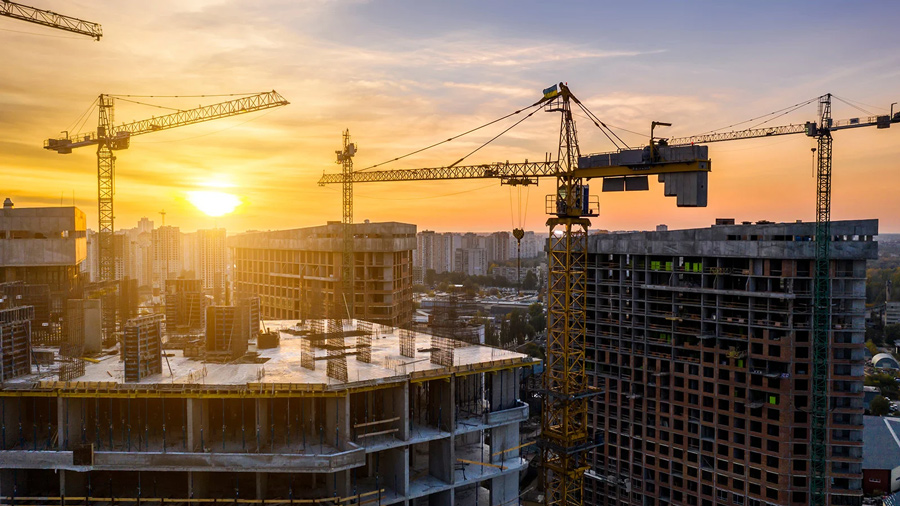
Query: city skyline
x,y
401,76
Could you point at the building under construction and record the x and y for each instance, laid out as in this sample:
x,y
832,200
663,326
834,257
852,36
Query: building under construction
x,y
700,340
398,428
41,254
297,272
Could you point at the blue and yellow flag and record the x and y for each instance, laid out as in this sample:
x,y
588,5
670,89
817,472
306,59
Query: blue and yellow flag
x,y
551,91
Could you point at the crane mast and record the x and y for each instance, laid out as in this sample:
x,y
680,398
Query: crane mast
x,y
345,158
49,18
821,338
564,429
109,138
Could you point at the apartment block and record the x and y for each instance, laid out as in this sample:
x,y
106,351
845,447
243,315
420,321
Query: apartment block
x,y
399,430
700,341
296,273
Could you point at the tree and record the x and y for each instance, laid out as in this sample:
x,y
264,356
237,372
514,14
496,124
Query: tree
x,y
536,317
872,348
886,384
530,282
880,406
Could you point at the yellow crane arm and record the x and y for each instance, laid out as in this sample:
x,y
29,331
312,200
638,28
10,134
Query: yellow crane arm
x,y
121,133
51,19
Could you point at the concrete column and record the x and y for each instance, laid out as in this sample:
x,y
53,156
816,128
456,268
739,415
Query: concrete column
x,y
261,485
198,485
504,389
441,459
73,425
504,489
262,423
197,424
72,484
60,423
441,404
401,409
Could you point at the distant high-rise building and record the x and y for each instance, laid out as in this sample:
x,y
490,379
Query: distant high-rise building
x,y
168,254
205,256
471,261
145,226
297,273
497,246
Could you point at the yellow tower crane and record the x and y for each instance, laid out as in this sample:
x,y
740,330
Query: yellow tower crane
x,y
565,437
109,138
51,19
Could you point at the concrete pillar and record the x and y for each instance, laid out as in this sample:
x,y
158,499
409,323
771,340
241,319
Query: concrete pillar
x,y
74,423
504,489
261,486
197,424
262,423
504,389
198,485
72,484
393,472
60,423
441,459
401,409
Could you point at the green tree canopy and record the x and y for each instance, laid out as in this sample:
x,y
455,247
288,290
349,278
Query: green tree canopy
x,y
880,406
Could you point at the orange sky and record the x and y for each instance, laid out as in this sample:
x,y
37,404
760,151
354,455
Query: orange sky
x,y
402,75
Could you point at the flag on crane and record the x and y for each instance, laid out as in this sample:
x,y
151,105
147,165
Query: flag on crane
x,y
551,91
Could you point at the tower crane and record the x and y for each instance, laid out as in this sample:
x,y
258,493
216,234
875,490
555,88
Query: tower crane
x,y
564,437
821,338
109,138
51,19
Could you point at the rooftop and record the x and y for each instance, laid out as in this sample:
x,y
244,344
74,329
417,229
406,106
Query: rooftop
x,y
279,368
851,239
881,442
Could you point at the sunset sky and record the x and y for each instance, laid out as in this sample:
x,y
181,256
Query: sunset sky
x,y
404,74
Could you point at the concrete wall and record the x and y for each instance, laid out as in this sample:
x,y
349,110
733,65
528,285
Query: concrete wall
x,y
61,230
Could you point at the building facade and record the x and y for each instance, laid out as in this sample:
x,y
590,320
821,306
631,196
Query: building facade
x,y
700,341
44,246
297,273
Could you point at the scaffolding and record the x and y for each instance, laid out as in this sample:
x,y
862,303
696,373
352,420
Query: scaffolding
x,y
407,343
15,342
364,342
45,328
336,367
307,356
442,351
142,347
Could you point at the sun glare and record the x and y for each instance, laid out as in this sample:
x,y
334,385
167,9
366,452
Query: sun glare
x,y
214,203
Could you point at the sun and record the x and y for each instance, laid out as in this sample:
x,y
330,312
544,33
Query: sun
x,y
214,203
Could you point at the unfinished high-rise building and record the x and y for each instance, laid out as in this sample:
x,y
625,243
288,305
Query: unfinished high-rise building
x,y
42,251
700,341
398,430
297,272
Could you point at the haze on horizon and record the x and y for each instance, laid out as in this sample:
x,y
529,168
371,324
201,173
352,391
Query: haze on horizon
x,y
402,75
